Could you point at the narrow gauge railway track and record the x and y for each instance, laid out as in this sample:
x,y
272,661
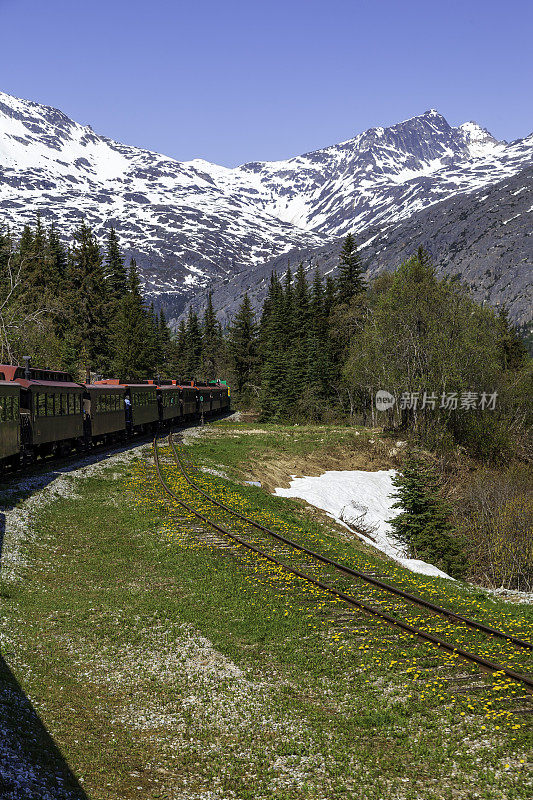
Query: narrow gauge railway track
x,y
481,662
445,612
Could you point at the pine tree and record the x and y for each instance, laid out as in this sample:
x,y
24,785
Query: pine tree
x,y
513,351
165,343
350,280
243,348
153,345
87,298
179,363
193,345
275,354
299,344
115,270
57,259
212,341
423,523
301,302
133,349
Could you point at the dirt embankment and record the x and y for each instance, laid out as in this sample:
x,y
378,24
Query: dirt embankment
x,y
275,466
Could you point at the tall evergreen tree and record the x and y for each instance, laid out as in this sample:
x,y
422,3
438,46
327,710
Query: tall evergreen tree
x,y
513,351
133,349
87,297
243,346
193,345
350,280
165,343
212,341
115,270
153,343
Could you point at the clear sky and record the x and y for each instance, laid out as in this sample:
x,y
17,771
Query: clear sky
x,y
234,81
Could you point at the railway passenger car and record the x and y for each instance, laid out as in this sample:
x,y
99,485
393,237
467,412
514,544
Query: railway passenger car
x,y
170,398
219,396
204,399
44,412
141,406
56,414
9,421
189,397
104,412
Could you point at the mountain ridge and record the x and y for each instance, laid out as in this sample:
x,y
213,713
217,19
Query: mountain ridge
x,y
190,224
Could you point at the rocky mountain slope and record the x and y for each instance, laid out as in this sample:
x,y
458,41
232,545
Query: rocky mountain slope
x,y
484,238
194,224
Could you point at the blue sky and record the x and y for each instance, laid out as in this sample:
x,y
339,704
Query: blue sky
x,y
234,81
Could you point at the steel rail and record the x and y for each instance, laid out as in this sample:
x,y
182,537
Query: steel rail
x,y
451,616
473,658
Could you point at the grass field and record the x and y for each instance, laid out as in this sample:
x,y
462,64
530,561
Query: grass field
x,y
165,665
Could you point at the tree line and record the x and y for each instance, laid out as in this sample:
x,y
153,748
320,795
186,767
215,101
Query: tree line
x,y
459,372
77,307
319,349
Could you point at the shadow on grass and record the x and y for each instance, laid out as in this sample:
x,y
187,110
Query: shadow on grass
x,y
32,766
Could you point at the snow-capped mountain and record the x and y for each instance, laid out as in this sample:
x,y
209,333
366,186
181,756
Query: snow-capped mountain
x,y
483,238
190,223
182,227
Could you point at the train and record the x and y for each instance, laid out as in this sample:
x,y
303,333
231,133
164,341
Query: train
x,y
47,413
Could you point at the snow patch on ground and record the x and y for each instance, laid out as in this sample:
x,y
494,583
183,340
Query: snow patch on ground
x,y
361,500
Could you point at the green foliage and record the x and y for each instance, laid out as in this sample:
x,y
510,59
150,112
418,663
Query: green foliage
x,y
423,523
319,352
213,345
73,309
133,333
115,271
243,349
350,281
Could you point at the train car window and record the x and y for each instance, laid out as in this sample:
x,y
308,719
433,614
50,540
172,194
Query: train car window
x,y
16,407
48,405
41,407
3,409
70,403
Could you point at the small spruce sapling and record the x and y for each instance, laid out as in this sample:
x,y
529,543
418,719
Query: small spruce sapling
x,y
423,524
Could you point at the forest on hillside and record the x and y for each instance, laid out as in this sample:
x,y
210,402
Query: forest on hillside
x,y
459,372
454,377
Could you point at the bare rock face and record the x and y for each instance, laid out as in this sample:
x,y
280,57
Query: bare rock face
x,y
484,239
192,225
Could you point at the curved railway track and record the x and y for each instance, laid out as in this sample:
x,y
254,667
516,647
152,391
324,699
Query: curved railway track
x,y
451,617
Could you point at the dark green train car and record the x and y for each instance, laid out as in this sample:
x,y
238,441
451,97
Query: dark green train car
x,y
225,398
56,411
205,399
170,401
189,400
9,421
144,406
105,411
